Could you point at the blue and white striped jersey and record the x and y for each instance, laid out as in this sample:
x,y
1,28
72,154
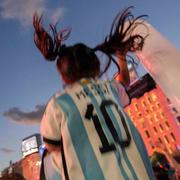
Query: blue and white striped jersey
x,y
49,171
99,140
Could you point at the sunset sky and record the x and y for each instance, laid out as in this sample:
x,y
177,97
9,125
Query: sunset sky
x,y
27,81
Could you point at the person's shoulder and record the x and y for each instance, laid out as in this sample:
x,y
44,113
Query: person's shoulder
x,y
58,94
52,105
52,100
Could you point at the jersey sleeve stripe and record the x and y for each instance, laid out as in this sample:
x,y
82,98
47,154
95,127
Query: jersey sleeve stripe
x,y
141,148
139,143
49,171
124,154
76,127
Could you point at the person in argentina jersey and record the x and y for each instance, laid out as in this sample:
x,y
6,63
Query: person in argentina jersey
x,y
84,127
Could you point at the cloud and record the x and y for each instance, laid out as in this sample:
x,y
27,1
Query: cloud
x,y
20,116
6,150
23,10
56,14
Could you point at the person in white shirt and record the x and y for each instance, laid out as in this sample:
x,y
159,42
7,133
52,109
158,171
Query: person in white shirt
x,y
85,126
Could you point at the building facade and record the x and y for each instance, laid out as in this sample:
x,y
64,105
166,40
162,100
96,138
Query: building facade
x,y
29,166
156,119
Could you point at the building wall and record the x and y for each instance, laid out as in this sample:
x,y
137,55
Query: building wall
x,y
31,167
156,120
28,168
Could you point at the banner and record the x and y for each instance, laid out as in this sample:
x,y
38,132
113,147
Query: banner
x,y
162,61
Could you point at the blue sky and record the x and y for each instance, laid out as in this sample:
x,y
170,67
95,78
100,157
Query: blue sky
x,y
27,81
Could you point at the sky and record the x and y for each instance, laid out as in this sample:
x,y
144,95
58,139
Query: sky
x,y
27,81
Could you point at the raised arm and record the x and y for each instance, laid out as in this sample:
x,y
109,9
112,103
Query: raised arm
x,y
123,77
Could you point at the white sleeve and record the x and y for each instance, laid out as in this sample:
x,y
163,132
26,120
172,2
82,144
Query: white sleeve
x,y
125,100
52,165
51,122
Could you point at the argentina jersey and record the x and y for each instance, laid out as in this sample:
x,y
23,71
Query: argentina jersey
x,y
49,171
98,138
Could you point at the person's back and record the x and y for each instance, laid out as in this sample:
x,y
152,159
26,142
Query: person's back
x,y
99,140
85,127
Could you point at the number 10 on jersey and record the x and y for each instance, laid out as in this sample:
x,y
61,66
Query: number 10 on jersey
x,y
106,146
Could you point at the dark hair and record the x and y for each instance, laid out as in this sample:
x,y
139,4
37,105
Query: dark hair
x,y
81,60
78,61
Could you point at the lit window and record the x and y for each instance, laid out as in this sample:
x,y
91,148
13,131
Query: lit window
x,y
151,120
173,138
155,130
166,139
158,105
156,117
174,110
129,112
168,100
139,115
149,99
147,134
161,128
136,107
154,97
167,124
152,108
143,104
159,139
162,115
178,119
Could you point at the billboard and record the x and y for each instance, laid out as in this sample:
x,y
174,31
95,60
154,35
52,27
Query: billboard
x,y
31,144
162,61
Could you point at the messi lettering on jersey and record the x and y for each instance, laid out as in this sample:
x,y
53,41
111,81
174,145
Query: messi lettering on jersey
x,y
96,90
